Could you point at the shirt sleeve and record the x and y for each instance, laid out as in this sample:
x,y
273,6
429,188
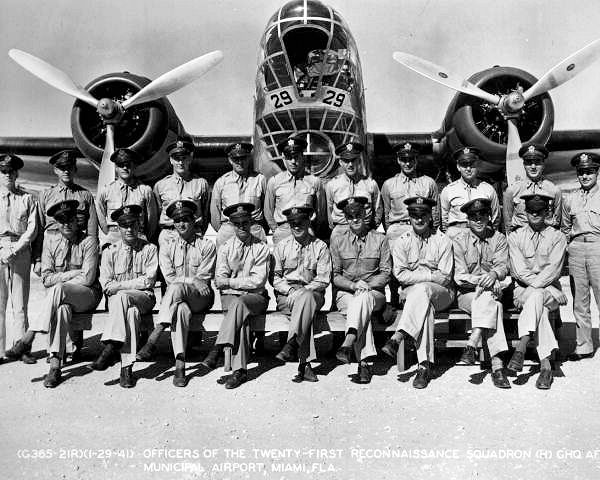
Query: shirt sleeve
x,y
89,265
329,203
215,205
500,258
38,244
446,262
337,268
386,203
566,223
166,263
206,268
107,269
269,207
323,275
462,276
101,209
381,279
551,272
50,276
435,195
28,236
92,226
557,209
280,283
508,208
257,275
516,260
377,205
495,208
444,208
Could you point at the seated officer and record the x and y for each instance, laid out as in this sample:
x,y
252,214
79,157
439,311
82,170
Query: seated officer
x,y
361,270
127,275
480,273
242,184
188,265
536,255
69,273
534,157
423,263
241,273
302,271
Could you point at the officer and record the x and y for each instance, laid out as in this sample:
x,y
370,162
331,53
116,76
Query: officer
x,y
64,164
423,263
242,184
188,265
126,190
534,157
18,227
302,272
581,225
127,275
536,255
70,275
291,186
395,190
361,270
466,188
480,273
182,183
241,273
352,182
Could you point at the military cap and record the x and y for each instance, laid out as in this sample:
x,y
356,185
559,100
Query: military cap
x,y
352,204
477,205
63,210
181,208
292,145
125,155
297,212
239,211
536,201
126,213
183,145
586,160
466,155
8,161
350,150
533,151
64,158
419,204
407,150
239,149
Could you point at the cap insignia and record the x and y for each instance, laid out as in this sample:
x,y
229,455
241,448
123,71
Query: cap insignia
x,y
179,205
126,211
294,211
349,147
179,144
240,209
583,157
291,142
466,150
407,147
531,149
419,201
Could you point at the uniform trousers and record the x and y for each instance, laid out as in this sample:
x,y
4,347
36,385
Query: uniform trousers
x,y
536,303
227,231
178,304
235,329
302,314
14,282
358,308
417,317
584,269
61,300
125,309
487,313
394,231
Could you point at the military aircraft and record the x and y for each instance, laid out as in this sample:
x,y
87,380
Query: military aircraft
x,y
309,82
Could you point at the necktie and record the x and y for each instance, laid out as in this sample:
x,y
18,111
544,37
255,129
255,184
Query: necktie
x,y
68,256
184,251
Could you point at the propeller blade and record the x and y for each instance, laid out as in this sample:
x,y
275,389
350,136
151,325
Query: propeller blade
x,y
107,168
441,75
514,165
175,79
565,70
52,76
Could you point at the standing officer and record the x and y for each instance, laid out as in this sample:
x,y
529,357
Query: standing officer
x,y
292,186
361,269
70,275
182,183
242,184
351,183
534,157
127,275
18,227
241,273
466,188
188,265
423,263
536,255
395,190
65,169
302,272
480,273
581,225
126,190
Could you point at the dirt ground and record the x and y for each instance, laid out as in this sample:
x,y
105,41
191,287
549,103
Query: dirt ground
x,y
459,427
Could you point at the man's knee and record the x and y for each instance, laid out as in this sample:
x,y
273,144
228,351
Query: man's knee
x,y
57,290
64,311
176,291
420,290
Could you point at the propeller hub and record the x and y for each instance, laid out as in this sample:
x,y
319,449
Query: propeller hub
x,y
513,102
110,110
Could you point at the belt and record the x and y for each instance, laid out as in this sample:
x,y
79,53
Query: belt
x,y
459,224
9,237
586,238
401,222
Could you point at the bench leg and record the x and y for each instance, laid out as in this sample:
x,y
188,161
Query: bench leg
x,y
401,356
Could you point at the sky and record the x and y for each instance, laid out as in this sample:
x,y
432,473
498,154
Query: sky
x,y
88,38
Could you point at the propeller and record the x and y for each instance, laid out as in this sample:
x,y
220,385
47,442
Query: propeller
x,y
110,110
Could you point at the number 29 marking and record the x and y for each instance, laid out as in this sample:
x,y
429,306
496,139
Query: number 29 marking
x,y
281,99
332,99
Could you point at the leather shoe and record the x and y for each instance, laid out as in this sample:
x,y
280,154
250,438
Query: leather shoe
x,y
576,357
179,379
288,353
516,362
146,353
364,374
544,381
106,359
344,355
499,379
468,355
52,379
127,380
236,379
422,379
305,374
211,360
28,358
391,348
17,351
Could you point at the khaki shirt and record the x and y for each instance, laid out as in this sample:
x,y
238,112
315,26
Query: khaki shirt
x,y
18,218
60,193
459,192
514,206
132,268
173,187
246,265
342,187
581,213
184,261
400,187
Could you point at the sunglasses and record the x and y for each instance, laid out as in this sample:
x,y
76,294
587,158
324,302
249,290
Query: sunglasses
x,y
532,162
586,171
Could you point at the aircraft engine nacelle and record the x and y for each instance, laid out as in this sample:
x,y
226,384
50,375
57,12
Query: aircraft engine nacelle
x,y
473,122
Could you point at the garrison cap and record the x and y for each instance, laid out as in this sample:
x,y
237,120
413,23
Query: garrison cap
x,y
292,145
352,204
122,156
466,155
63,210
407,150
183,145
298,212
419,204
536,201
181,208
8,161
239,211
534,151
126,214
241,149
586,160
350,151
64,158
477,205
